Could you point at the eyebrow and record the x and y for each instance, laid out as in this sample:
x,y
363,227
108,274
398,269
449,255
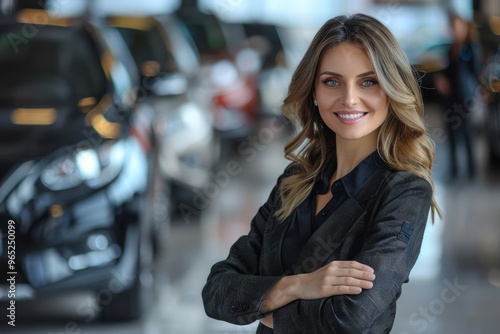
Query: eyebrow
x,y
341,76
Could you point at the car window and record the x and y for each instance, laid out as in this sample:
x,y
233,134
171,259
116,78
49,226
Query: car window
x,y
206,32
149,45
58,65
265,39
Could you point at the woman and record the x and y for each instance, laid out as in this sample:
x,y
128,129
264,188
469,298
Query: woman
x,y
330,249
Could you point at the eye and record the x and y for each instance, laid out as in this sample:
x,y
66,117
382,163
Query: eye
x,y
331,82
369,83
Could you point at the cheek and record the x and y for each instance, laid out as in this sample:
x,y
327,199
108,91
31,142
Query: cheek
x,y
379,102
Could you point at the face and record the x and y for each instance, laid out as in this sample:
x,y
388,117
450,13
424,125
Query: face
x,y
459,29
350,100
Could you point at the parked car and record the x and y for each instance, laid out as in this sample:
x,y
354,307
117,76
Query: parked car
x,y
275,72
228,74
78,164
169,66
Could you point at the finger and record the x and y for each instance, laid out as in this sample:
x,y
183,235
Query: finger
x,y
348,281
352,264
348,277
335,271
343,290
355,273
352,282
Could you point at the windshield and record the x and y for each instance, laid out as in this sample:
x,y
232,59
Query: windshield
x,y
54,66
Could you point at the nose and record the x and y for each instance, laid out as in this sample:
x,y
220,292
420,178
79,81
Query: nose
x,y
350,97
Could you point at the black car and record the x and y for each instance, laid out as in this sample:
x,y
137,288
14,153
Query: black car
x,y
77,164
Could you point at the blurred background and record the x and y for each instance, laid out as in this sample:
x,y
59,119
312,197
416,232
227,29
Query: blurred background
x,y
138,140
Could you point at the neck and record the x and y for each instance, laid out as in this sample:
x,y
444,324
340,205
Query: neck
x,y
351,152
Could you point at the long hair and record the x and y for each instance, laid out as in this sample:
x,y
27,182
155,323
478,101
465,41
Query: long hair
x,y
402,141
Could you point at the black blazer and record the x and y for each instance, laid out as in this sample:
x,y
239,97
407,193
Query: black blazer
x,y
382,226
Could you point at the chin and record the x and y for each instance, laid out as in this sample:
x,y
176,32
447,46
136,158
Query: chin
x,y
349,136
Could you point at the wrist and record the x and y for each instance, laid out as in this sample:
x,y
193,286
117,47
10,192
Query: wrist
x,y
282,293
292,287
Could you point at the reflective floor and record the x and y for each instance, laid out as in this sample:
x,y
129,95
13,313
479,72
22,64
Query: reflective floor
x,y
454,287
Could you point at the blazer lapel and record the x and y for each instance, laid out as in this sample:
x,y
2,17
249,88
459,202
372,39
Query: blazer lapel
x,y
328,236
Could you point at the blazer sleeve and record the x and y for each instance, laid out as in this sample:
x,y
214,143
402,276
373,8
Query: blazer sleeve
x,y
391,248
234,288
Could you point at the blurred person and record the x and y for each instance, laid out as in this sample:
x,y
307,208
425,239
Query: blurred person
x,y
457,85
331,248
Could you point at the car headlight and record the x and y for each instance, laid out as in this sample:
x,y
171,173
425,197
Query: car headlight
x,y
93,167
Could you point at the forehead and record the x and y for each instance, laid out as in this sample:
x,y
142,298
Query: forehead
x,y
346,56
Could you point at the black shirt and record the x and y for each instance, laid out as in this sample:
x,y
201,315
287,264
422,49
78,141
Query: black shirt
x,y
304,221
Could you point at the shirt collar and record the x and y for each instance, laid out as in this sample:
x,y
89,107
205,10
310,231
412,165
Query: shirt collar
x,y
355,179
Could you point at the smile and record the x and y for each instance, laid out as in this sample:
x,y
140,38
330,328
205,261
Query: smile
x,y
351,116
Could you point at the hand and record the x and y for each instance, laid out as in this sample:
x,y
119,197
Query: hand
x,y
267,321
335,278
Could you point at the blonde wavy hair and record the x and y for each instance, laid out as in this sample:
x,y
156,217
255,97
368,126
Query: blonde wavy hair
x,y
402,141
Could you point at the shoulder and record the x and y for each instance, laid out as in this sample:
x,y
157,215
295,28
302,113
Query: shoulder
x,y
401,183
403,196
392,183
292,169
405,178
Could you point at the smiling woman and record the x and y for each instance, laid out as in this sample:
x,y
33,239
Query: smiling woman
x,y
331,248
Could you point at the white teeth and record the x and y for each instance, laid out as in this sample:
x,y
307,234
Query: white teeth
x,y
351,116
